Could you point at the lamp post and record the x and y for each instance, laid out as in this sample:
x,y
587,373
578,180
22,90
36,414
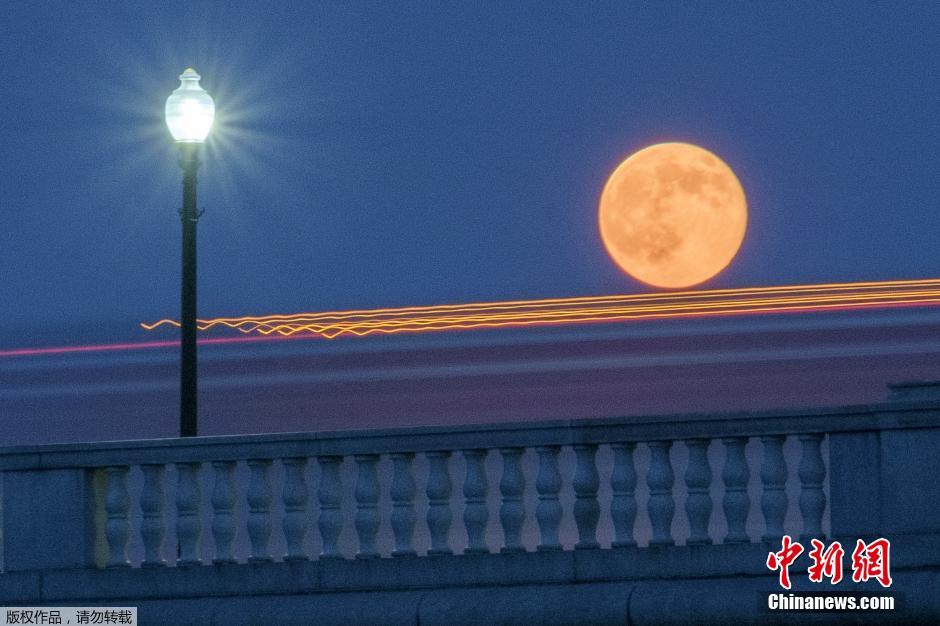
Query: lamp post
x,y
189,115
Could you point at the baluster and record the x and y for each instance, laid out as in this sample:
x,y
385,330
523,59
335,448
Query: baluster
x,y
698,480
736,502
188,515
295,507
773,475
587,509
623,504
661,505
475,513
367,505
512,510
812,497
403,503
329,495
223,511
153,522
117,505
548,485
259,509
439,490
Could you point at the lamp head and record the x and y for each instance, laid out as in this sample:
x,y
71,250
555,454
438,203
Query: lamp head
x,y
189,110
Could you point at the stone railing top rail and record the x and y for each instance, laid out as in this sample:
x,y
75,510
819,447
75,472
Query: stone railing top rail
x,y
887,416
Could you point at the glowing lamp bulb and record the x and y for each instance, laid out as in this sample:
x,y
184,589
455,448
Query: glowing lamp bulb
x,y
189,110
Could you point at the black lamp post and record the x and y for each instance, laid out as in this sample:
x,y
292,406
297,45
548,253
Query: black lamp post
x,y
189,115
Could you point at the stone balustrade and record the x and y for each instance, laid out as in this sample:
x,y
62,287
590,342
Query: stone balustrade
x,y
534,487
662,519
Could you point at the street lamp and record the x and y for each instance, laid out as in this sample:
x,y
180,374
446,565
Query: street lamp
x,y
189,115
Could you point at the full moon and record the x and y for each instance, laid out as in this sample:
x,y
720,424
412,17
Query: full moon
x,y
672,215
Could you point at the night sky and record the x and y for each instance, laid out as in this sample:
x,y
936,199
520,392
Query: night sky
x,y
371,155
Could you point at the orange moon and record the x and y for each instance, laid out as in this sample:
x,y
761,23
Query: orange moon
x,y
672,215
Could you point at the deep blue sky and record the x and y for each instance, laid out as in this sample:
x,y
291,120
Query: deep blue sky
x,y
375,155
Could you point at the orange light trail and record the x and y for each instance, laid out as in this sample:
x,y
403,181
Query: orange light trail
x,y
582,310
